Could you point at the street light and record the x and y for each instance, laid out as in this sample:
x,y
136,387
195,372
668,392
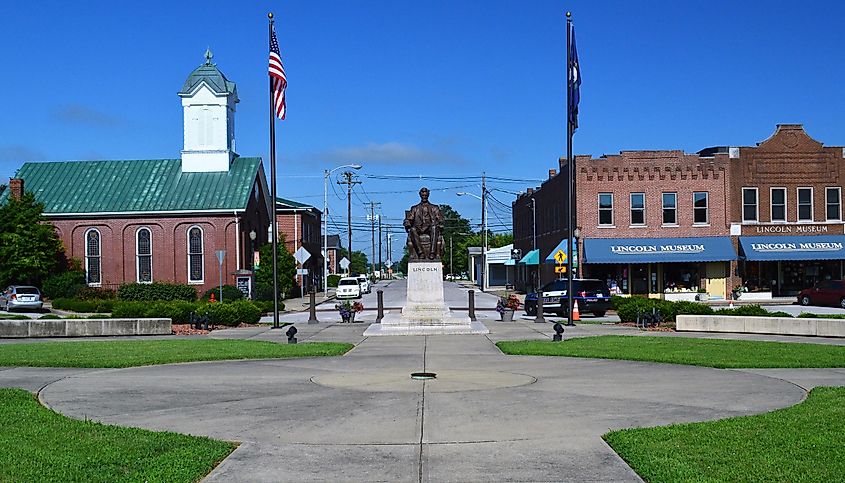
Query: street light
x,y
484,229
326,174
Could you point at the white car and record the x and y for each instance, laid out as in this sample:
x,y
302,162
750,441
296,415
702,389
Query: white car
x,y
365,284
348,288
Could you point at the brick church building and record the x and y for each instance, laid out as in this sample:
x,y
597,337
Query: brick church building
x,y
157,220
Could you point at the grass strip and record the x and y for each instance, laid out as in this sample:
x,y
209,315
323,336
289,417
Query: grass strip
x,y
131,353
720,353
799,443
37,444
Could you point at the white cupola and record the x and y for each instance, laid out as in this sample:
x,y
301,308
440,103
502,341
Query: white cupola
x,y
208,102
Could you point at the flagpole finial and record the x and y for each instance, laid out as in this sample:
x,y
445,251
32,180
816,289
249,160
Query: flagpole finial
x,y
568,14
270,15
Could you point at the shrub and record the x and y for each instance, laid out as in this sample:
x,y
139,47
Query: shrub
x,y
248,312
63,285
266,306
333,279
156,291
178,311
684,307
88,306
628,308
780,313
230,293
745,310
95,293
49,317
220,314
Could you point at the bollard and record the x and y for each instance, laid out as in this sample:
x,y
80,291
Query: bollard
x,y
471,295
380,315
312,309
539,318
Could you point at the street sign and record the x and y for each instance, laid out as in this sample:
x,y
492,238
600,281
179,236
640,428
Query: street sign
x,y
388,264
560,257
301,255
302,271
220,254
344,263
560,269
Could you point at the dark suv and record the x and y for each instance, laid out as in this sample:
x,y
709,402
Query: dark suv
x,y
592,296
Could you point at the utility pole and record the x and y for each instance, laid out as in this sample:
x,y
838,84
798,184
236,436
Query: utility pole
x,y
372,217
380,266
484,227
349,182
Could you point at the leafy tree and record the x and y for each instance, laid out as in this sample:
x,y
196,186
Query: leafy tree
x,y
455,230
264,275
358,262
30,249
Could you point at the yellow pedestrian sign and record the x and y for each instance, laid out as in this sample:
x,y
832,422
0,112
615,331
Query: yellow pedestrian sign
x,y
560,257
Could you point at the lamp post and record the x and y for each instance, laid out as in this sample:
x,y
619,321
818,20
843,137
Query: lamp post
x,y
252,236
483,199
576,269
326,175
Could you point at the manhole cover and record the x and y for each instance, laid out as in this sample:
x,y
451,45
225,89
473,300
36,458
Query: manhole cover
x,y
423,375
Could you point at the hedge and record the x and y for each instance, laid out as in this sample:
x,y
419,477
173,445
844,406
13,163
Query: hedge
x,y
179,311
87,306
333,279
230,293
63,285
148,292
629,307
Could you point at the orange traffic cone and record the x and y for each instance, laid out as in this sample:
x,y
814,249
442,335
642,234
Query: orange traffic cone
x,y
211,299
731,304
575,314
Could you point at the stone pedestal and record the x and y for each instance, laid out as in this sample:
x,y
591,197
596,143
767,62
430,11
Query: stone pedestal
x,y
425,312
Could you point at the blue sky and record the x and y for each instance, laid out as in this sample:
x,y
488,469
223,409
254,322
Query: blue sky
x,y
439,88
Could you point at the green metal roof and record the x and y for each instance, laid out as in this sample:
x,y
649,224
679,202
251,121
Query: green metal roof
x,y
286,203
150,185
211,75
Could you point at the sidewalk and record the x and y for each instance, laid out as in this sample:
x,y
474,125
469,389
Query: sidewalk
x,y
301,304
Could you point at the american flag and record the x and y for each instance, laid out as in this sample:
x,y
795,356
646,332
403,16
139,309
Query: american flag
x,y
278,80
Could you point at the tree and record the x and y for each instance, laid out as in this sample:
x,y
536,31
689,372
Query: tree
x,y
30,249
357,262
286,266
455,229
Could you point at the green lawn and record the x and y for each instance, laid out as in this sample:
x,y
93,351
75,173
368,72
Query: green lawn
x,y
130,353
37,444
800,443
678,350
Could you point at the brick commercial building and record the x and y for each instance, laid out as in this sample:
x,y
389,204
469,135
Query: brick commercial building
x,y
301,225
670,224
163,219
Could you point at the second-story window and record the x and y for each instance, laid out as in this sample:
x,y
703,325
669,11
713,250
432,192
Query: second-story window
x,y
833,207
606,209
749,204
638,208
670,208
699,208
805,204
778,204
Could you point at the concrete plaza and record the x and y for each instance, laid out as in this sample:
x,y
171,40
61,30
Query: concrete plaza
x,y
360,417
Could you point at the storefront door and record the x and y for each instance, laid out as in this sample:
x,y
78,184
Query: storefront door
x,y
716,279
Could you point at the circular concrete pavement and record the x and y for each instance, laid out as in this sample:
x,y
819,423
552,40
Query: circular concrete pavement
x,y
361,417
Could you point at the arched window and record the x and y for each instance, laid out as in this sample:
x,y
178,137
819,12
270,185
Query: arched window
x,y
144,255
92,257
195,254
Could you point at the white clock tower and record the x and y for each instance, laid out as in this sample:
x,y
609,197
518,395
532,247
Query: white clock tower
x,y
208,101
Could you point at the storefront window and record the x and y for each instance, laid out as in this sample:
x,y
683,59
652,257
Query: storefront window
x,y
778,204
805,204
749,204
681,277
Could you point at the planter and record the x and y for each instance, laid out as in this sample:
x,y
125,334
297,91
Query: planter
x,y
507,315
348,319
679,296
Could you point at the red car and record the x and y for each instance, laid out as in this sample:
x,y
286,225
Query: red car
x,y
827,292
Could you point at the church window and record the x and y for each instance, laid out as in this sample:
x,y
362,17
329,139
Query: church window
x,y
144,255
195,255
92,257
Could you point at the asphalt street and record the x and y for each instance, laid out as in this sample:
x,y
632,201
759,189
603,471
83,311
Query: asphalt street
x,y
360,417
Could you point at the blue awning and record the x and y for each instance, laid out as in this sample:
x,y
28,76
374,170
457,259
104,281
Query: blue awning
x,y
655,250
562,246
814,247
531,258
510,262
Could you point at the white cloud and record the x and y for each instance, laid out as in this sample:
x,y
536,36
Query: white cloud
x,y
392,152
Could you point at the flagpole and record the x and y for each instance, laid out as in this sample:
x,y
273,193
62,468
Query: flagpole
x,y
570,168
273,227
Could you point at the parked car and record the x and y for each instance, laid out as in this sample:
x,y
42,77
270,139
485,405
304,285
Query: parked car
x,y
826,292
348,288
17,297
592,296
366,287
